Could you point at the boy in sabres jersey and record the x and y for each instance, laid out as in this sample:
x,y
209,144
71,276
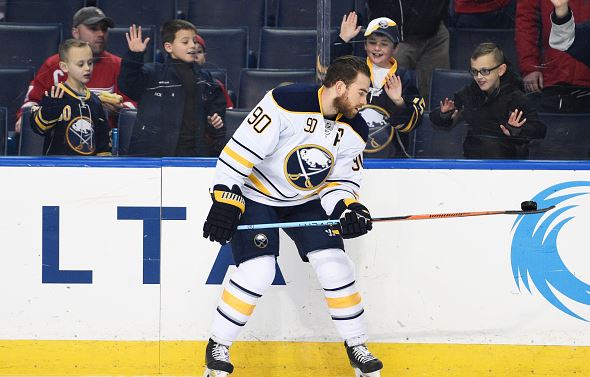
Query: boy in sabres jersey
x,y
70,116
394,106
297,156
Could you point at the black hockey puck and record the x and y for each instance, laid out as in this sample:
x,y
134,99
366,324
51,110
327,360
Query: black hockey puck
x,y
528,205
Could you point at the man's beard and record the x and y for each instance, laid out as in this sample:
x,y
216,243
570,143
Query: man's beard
x,y
343,106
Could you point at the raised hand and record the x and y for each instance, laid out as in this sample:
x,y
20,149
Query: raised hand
x,y
134,40
55,92
393,88
560,7
447,105
348,28
514,126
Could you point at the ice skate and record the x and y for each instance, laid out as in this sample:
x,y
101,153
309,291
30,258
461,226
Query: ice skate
x,y
217,360
363,361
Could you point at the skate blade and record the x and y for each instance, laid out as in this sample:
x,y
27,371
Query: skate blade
x,y
215,373
358,373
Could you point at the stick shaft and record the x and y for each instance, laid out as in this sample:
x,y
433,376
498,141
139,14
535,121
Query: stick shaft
x,y
431,216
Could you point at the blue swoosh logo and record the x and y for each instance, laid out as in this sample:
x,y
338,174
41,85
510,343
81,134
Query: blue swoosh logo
x,y
535,257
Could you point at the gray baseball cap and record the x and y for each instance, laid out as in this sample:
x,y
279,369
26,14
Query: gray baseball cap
x,y
91,16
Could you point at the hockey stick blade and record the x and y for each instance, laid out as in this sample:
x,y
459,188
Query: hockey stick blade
x,y
300,224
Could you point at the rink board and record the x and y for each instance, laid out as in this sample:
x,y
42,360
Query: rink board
x,y
105,272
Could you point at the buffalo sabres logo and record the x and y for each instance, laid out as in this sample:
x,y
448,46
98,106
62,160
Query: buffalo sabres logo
x,y
383,24
80,135
380,130
308,166
260,240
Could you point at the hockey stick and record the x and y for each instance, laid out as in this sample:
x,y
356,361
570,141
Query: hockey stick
x,y
299,224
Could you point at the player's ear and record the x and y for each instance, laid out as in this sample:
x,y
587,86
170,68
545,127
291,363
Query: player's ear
x,y
502,69
340,87
63,66
168,47
75,33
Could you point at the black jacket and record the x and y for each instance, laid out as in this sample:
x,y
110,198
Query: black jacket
x,y
483,115
417,19
160,96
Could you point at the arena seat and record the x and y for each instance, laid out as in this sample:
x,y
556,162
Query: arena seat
x,y
444,83
233,119
303,13
568,138
229,14
125,126
30,143
254,83
117,43
218,74
34,11
288,48
227,49
139,12
28,44
15,82
438,142
463,42
3,131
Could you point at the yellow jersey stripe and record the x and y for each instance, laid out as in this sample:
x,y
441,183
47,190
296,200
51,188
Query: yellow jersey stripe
x,y
239,305
259,184
42,125
344,302
233,154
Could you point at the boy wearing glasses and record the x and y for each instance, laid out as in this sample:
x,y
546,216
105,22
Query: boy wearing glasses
x,y
500,120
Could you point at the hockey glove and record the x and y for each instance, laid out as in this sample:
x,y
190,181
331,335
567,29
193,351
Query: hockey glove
x,y
355,219
224,215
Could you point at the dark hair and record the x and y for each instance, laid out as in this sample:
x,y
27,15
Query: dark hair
x,y
488,48
345,69
170,28
66,45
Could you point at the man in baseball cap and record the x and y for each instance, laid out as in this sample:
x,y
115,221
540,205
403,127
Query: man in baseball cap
x,y
91,25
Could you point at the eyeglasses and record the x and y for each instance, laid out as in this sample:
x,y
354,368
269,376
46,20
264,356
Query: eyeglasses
x,y
484,71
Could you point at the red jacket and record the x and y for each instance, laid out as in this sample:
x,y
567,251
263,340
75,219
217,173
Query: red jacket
x,y
479,6
104,78
556,66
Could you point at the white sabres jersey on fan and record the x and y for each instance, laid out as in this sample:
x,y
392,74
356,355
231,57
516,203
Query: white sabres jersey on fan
x,y
286,153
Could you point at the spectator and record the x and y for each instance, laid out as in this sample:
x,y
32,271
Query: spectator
x,y
489,14
90,25
557,82
70,116
181,107
201,59
424,36
394,105
566,35
500,120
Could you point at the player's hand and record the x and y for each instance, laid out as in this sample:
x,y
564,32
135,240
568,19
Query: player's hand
x,y
134,41
224,215
55,92
533,82
355,219
348,27
393,88
447,105
560,7
514,126
215,120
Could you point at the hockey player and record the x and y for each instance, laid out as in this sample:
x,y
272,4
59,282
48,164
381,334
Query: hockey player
x,y
297,156
394,106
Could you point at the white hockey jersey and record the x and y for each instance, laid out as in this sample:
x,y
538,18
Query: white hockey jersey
x,y
286,153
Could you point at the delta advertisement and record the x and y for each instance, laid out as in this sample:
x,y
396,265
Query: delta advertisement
x,y
99,251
